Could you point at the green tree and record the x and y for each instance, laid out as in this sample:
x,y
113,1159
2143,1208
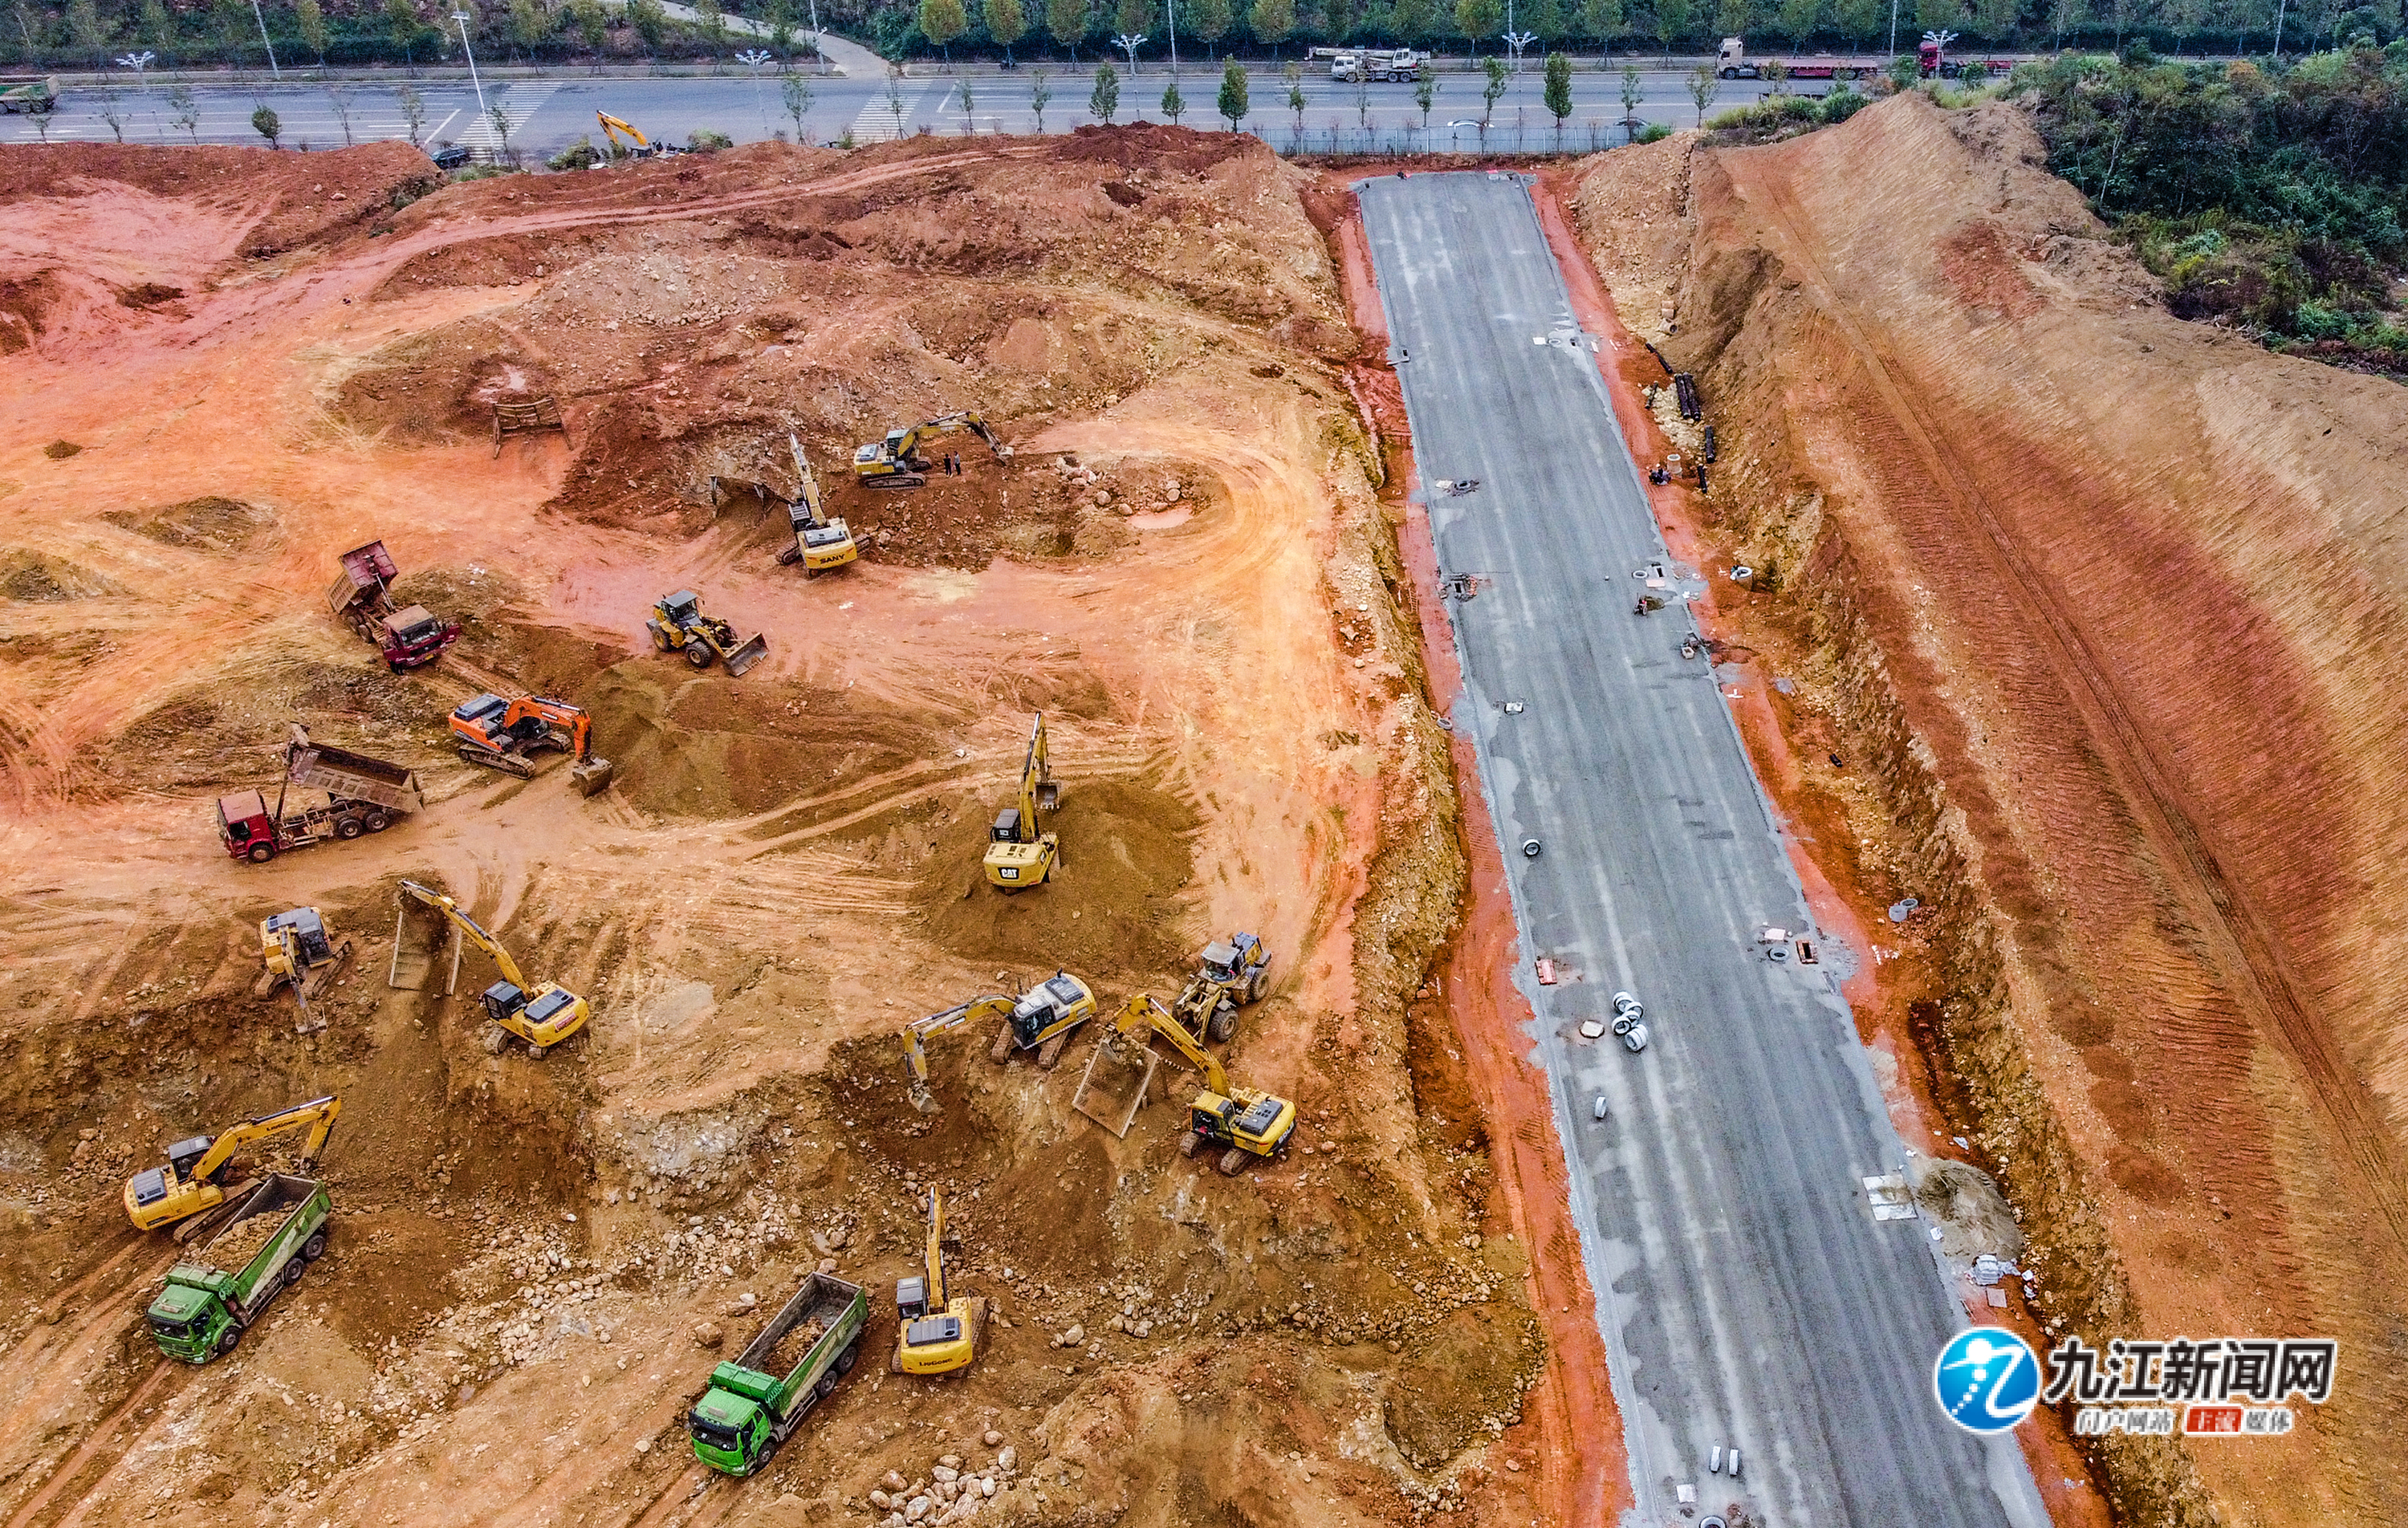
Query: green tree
x,y
265,122
1493,91
1703,87
1271,21
340,98
713,19
1105,98
499,115
1172,102
158,28
112,114
1040,95
185,111
1672,21
531,24
1135,19
1997,18
1732,18
1232,104
1858,20
650,22
1065,22
941,21
413,112
1478,19
1426,96
1631,91
592,25
1939,15
1558,94
1006,23
1542,19
1603,19
1413,20
85,28
1206,21
1293,75
1798,19
310,21
794,92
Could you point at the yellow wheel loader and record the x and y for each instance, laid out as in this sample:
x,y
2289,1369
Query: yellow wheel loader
x,y
895,462
542,1016
1038,1019
933,1334
193,1180
1229,974
1246,1124
1017,855
678,625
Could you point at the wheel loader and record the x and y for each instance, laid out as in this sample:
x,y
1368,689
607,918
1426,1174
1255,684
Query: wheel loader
x,y
1038,1019
1247,1124
1017,855
499,734
678,625
895,462
1229,974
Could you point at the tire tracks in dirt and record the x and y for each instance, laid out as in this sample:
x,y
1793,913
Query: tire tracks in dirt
x,y
2239,940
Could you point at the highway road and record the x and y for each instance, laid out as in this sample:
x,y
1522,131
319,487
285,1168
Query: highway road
x,y
1748,1297
548,114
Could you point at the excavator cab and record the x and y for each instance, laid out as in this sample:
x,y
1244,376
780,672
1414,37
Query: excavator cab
x,y
309,937
1045,1008
937,1331
1258,1125
543,1018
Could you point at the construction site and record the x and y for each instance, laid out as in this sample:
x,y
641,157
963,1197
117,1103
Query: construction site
x,y
931,656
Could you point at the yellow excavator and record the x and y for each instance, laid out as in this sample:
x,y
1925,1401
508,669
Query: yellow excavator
x,y
1017,855
193,1179
298,947
542,1016
1039,1020
1246,1124
822,543
935,1335
895,462
626,142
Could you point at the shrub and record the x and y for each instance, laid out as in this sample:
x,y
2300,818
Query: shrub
x,y
704,141
581,155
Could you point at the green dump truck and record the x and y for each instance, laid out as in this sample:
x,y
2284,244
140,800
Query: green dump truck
x,y
748,1410
274,1234
28,92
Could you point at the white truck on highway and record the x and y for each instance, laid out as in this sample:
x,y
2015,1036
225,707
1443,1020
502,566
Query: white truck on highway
x,y
1355,64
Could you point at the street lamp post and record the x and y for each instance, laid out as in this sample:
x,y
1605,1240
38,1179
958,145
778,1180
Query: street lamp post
x,y
818,60
462,17
1129,42
137,63
273,71
753,58
1170,15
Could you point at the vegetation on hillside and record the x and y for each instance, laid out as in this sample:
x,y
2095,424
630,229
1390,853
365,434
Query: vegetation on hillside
x,y
2269,199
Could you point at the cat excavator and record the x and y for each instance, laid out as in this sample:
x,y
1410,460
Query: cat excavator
x,y
895,462
1038,1019
1246,1124
933,1334
193,1179
543,1017
1017,855
298,947
500,734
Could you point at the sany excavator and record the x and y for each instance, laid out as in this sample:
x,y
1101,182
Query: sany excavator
x,y
500,734
1017,855
935,1335
895,462
640,146
543,1018
297,946
193,1179
1246,1124
821,544
1040,1019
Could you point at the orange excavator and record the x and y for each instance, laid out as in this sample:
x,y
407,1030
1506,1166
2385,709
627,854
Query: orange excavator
x,y
500,734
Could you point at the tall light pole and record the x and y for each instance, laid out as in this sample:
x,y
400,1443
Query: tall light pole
x,y
819,59
137,63
1129,42
462,17
1170,14
753,58
273,71
1893,28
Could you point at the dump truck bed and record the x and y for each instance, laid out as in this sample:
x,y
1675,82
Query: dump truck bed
x,y
339,772
265,1234
824,1299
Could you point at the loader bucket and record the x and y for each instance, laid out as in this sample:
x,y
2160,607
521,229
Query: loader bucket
x,y
753,652
590,778
1114,1086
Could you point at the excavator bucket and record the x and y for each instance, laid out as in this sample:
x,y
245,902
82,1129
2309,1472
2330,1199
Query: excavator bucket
x,y
1114,1086
745,656
590,777
1048,795
413,953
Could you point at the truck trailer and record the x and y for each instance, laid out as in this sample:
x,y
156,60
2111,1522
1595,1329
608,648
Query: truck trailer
x,y
206,1309
407,637
327,792
748,1411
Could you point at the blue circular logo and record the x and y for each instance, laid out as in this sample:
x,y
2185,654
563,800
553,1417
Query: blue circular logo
x,y
1987,1380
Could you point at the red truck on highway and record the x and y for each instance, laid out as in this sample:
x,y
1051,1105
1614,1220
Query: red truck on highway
x,y
1732,63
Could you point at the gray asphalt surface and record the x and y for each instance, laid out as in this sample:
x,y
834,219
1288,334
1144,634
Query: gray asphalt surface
x,y
1747,1296
549,114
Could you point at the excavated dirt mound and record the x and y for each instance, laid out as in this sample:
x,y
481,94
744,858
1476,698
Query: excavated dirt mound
x,y
2056,578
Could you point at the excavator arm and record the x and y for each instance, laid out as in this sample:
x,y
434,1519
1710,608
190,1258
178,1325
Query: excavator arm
x,y
935,1251
185,1189
319,1115
469,929
613,127
915,1053
807,488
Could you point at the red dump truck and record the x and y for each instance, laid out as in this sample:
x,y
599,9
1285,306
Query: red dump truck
x,y
326,793
409,636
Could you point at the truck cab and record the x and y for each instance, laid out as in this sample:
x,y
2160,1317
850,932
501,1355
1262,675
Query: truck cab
x,y
188,1319
245,827
730,1424
413,637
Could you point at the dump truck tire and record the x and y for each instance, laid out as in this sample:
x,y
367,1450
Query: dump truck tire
x,y
259,853
293,1272
376,821
315,1248
348,828
844,1361
232,1341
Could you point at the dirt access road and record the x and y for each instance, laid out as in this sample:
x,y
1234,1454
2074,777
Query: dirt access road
x,y
228,366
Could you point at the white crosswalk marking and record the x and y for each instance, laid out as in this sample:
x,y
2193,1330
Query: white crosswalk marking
x,y
875,123
521,102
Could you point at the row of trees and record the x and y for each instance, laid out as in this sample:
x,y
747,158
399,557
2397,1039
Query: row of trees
x,y
409,31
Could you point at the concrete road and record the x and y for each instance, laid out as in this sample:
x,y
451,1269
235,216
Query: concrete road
x,y
1748,1297
550,113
